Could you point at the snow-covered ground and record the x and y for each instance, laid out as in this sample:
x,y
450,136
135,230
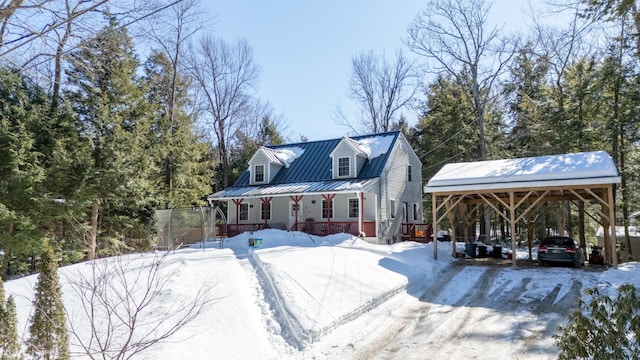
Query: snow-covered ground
x,y
297,296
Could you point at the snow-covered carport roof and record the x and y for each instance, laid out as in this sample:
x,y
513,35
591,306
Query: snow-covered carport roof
x,y
519,185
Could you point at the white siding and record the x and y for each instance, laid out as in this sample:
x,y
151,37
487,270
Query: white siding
x,y
394,185
270,169
355,162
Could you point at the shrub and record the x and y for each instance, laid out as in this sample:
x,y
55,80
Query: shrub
x,y
602,327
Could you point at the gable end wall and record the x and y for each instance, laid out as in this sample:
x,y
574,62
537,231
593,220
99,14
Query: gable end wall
x,y
395,186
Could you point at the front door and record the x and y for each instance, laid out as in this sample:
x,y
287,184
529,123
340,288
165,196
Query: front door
x,y
292,213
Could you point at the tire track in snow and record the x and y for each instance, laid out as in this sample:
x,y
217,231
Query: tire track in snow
x,y
510,316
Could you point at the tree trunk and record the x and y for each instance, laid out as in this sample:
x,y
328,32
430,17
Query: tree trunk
x,y
93,232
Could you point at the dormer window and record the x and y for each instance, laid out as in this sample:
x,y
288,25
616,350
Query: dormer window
x,y
344,167
258,173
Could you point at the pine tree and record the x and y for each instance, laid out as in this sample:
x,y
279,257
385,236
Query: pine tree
x,y
602,328
21,170
3,320
115,118
10,346
49,338
181,153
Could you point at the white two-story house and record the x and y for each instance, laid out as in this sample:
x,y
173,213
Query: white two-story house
x,y
369,186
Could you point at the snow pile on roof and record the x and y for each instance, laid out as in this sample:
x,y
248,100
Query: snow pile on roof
x,y
355,185
376,146
288,155
585,166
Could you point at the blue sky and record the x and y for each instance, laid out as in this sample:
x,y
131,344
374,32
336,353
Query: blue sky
x,y
304,49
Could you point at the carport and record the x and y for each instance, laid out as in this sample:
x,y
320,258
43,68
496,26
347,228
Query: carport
x,y
514,188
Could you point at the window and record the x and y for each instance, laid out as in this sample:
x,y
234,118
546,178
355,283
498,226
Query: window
x,y
409,173
354,208
325,209
258,173
343,167
392,212
415,212
244,211
265,211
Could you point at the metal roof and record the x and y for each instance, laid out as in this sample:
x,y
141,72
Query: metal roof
x,y
586,168
318,187
311,171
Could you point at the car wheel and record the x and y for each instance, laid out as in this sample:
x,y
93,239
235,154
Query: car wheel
x,y
578,263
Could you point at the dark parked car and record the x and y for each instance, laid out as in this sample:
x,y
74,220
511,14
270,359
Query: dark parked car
x,y
560,249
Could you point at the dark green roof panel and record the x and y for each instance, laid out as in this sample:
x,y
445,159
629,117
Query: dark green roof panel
x,y
315,162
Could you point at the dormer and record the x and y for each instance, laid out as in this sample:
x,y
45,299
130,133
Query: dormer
x,y
265,164
347,159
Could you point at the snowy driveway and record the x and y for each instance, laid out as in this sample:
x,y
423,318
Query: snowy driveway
x,y
484,312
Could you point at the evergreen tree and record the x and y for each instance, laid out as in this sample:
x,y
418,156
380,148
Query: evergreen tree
x,y
49,337
21,169
115,118
182,155
446,131
525,94
602,328
9,344
3,320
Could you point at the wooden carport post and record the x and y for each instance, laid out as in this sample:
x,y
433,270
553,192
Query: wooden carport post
x,y
612,226
434,211
512,221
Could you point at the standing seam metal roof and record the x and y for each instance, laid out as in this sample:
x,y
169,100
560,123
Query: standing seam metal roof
x,y
314,166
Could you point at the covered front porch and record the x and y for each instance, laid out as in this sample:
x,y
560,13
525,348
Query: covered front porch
x,y
313,213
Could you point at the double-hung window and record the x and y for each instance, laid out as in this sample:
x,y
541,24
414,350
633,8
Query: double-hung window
x,y
344,167
354,208
258,173
244,211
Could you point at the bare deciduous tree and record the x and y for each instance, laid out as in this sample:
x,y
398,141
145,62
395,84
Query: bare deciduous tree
x,y
127,309
226,75
454,37
35,35
381,88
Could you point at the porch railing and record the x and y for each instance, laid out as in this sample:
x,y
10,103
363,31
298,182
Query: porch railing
x,y
319,228
322,228
417,232
413,232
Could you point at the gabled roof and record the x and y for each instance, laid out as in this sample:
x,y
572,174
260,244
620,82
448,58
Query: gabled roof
x,y
356,146
313,165
586,168
271,155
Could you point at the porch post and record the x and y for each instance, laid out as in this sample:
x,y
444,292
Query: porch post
x,y
328,198
265,202
296,201
361,220
237,202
